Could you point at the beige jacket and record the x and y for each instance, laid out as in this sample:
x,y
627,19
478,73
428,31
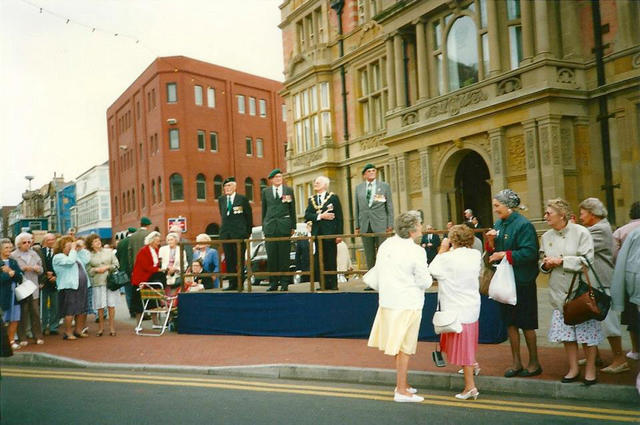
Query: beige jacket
x,y
570,243
104,257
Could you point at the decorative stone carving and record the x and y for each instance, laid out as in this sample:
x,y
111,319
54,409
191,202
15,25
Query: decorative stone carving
x,y
555,145
544,143
635,61
495,149
424,168
485,144
401,174
414,175
568,148
566,76
370,143
531,151
509,85
516,157
453,104
409,118
306,160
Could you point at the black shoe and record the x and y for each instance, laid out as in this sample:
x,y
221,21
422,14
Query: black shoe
x,y
230,289
368,289
526,373
566,380
589,382
512,372
272,289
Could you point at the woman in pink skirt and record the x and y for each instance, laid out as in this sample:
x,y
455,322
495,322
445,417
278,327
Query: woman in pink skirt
x,y
457,268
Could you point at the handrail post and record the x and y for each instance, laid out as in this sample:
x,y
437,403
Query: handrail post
x,y
312,260
248,264
321,264
240,285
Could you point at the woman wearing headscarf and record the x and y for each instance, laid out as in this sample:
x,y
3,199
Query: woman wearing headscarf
x,y
457,269
69,263
102,262
513,237
402,276
31,265
10,277
146,268
562,253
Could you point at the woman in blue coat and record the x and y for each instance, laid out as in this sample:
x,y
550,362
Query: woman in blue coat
x,y
10,277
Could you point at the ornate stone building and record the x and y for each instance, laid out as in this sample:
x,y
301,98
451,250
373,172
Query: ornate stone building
x,y
455,100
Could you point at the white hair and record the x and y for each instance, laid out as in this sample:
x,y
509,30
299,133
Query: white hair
x,y
23,236
173,235
324,180
150,236
595,207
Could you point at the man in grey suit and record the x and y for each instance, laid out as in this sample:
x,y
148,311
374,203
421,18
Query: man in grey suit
x,y
136,240
374,211
278,220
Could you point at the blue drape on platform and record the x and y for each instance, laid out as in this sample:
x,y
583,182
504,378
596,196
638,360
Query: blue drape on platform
x,y
328,315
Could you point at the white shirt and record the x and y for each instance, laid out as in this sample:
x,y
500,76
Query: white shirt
x,y
401,267
322,195
458,273
232,197
371,184
277,191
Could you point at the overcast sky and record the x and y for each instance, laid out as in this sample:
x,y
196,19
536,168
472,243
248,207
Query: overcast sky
x,y
58,78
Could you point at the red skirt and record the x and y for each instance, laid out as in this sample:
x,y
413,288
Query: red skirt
x,y
461,348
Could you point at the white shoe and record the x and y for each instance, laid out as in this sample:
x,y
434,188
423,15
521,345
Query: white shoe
x,y
410,389
473,392
16,346
401,398
633,355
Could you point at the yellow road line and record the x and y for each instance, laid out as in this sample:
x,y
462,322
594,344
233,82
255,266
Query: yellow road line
x,y
581,409
242,386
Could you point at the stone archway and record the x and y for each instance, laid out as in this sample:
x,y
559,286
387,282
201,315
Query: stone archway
x,y
465,183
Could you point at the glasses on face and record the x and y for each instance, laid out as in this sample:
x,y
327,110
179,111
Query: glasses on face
x,y
547,213
26,242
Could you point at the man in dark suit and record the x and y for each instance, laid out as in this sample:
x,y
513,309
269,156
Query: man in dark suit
x,y
122,254
48,290
325,214
374,211
303,255
136,241
431,243
278,220
237,221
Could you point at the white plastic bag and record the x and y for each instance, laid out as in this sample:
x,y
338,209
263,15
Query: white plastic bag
x,y
503,285
371,278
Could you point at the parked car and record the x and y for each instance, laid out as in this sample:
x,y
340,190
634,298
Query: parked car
x,y
258,252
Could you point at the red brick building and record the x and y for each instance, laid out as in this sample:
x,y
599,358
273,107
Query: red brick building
x,y
179,130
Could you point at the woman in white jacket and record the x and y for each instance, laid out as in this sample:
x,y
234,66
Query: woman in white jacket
x,y
402,277
457,269
170,261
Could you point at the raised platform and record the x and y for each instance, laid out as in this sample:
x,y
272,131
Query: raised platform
x,y
324,314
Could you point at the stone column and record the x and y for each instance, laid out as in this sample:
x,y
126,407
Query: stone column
x,y
401,97
526,19
391,75
421,53
628,13
393,181
552,172
534,185
427,198
495,65
498,159
543,46
570,31
403,192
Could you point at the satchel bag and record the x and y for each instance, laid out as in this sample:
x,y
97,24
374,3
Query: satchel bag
x,y
588,302
446,322
503,284
117,279
25,289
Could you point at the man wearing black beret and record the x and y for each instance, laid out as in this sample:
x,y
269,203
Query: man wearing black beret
x,y
278,220
237,221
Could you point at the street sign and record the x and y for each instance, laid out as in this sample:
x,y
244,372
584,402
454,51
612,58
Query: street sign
x,y
178,221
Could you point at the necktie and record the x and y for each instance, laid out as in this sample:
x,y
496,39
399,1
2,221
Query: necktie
x,y
319,199
277,193
368,193
228,205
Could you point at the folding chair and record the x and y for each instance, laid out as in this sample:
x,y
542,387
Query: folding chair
x,y
156,302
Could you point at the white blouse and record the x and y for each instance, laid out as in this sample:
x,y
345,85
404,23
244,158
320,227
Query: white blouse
x,y
458,273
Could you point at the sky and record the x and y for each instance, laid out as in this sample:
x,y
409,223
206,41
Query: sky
x,y
58,77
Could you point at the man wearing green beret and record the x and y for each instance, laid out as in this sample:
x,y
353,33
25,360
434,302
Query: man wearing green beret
x,y
122,253
278,220
374,211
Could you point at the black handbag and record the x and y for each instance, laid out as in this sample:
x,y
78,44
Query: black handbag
x,y
117,279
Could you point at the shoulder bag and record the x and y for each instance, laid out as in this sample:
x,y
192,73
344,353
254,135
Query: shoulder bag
x,y
588,302
117,279
446,321
25,289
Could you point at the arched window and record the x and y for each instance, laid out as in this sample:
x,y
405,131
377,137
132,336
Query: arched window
x,y
201,187
128,201
248,188
115,206
176,192
143,201
263,184
217,187
153,192
462,53
124,204
159,189
133,199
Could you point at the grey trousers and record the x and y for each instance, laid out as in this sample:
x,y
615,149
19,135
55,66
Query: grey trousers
x,y
370,245
30,312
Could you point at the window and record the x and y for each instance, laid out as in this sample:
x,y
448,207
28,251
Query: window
x,y
372,98
140,152
249,143
133,199
217,186
138,110
263,108
172,93
148,101
129,201
159,189
115,206
252,106
515,33
211,97
312,118
462,56
174,139
259,148
143,201
263,184
213,141
248,189
367,9
284,112
201,187
124,204
153,192
240,103
176,188
153,97
197,93
310,30
200,140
